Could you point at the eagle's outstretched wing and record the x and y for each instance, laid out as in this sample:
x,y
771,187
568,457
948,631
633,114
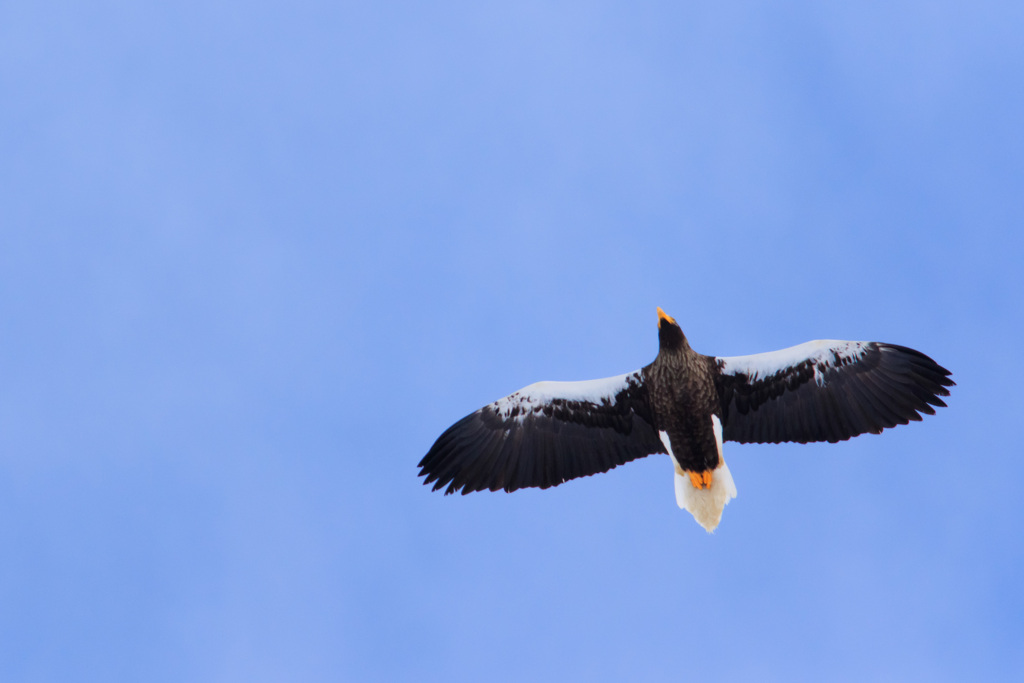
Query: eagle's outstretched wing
x,y
826,390
545,434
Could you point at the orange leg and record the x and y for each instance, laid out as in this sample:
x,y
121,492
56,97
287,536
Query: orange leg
x,y
700,480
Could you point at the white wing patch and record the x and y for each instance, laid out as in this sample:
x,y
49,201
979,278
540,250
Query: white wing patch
x,y
716,426
536,396
663,435
822,353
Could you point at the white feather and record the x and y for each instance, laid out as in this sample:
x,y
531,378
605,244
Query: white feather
x,y
823,353
538,394
706,505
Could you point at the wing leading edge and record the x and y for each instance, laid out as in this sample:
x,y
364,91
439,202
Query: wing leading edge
x,y
826,390
545,434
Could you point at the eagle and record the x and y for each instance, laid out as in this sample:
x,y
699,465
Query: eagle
x,y
686,405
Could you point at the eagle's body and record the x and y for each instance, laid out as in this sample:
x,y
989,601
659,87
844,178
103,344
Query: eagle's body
x,y
685,404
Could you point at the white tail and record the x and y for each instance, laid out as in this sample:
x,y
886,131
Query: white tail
x,y
705,505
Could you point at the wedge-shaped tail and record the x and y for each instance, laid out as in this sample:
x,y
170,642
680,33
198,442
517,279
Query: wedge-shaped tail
x,y
706,505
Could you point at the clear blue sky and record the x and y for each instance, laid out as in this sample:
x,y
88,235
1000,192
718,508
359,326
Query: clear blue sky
x,y
255,257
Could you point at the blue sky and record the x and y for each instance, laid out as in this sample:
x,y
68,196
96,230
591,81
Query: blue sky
x,y
256,257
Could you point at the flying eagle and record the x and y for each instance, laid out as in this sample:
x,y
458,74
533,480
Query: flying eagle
x,y
686,404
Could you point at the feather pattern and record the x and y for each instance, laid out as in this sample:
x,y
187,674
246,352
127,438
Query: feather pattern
x,y
826,390
544,435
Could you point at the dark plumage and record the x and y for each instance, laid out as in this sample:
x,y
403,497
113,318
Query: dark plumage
x,y
685,404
